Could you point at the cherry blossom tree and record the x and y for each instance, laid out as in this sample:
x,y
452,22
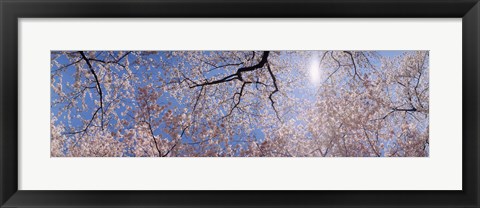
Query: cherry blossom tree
x,y
239,104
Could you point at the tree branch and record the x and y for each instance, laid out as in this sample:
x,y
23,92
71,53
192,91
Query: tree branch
x,y
354,65
99,89
273,92
154,139
238,74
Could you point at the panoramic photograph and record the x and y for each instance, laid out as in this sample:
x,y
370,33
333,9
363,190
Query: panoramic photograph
x,y
302,103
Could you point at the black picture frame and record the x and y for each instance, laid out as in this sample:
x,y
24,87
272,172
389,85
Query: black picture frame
x,y
10,10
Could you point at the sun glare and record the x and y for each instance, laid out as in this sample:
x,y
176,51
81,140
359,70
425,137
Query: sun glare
x,y
314,71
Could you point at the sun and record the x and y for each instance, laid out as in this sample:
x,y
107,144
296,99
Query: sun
x,y
314,71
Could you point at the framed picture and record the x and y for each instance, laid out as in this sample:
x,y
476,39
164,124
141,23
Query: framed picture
x,y
239,104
